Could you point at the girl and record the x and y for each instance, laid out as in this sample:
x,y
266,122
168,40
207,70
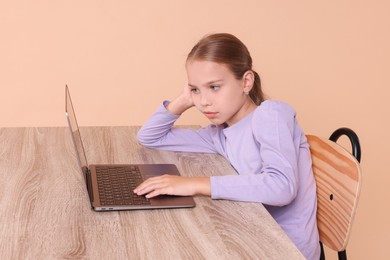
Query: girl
x,y
260,138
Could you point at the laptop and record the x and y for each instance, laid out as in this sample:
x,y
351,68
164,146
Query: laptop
x,y
110,186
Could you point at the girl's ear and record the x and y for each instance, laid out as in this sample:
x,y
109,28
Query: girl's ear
x,y
249,79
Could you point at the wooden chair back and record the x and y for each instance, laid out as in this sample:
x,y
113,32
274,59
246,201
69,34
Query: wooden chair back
x,y
338,178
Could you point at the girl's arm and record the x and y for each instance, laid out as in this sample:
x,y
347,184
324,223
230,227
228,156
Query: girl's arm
x,y
280,152
159,133
174,185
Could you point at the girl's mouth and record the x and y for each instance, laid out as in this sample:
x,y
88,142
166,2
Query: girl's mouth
x,y
210,115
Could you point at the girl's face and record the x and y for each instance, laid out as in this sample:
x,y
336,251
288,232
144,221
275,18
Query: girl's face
x,y
217,93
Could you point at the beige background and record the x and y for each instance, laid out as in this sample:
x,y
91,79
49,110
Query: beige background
x,y
329,59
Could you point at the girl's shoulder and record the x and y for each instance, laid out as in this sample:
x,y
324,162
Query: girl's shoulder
x,y
270,117
270,110
275,106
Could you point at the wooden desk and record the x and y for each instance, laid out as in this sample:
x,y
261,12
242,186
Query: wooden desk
x,y
45,212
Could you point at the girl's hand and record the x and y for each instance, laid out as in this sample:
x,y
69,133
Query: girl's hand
x,y
174,185
183,102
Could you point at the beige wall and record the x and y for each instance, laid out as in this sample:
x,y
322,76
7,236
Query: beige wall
x,y
329,59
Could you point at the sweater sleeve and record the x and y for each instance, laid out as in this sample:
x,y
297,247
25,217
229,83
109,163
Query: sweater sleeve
x,y
276,182
159,133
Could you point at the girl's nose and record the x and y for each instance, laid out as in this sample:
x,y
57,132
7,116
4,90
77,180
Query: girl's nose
x,y
204,100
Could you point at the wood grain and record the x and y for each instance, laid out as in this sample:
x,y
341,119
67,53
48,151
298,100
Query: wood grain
x,y
45,212
338,179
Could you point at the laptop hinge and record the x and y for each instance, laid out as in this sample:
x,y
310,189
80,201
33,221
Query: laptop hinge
x,y
88,181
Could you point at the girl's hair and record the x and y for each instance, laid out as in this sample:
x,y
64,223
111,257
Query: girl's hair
x,y
229,50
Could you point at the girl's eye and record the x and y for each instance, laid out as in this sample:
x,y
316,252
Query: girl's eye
x,y
214,87
195,90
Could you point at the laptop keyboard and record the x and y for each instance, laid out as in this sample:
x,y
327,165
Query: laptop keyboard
x,y
116,185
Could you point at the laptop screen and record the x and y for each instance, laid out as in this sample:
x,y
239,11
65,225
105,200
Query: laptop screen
x,y
74,128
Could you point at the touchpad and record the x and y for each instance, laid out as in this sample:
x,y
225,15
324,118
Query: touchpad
x,y
147,176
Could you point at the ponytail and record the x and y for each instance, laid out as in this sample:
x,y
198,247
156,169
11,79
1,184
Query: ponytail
x,y
256,93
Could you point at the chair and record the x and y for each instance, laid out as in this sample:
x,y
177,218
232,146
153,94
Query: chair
x,y
338,178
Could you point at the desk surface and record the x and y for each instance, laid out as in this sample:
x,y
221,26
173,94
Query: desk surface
x,y
45,212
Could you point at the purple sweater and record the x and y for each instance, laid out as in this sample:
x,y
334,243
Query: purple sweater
x,y
271,155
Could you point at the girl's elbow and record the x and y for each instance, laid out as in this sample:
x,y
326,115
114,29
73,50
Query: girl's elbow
x,y
288,190
290,197
287,196
143,140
